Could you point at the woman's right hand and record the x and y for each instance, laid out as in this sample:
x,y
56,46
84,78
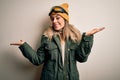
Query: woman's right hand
x,y
17,43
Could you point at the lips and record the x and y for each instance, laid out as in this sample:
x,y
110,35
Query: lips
x,y
56,25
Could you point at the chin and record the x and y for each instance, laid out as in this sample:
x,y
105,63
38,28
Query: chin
x,y
57,29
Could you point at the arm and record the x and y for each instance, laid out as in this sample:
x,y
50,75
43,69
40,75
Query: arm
x,y
84,48
34,57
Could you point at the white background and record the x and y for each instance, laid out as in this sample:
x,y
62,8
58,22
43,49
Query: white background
x,y
26,19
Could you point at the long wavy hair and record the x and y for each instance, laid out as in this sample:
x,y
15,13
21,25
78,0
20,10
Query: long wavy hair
x,y
68,32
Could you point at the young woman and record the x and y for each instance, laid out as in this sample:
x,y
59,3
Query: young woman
x,y
62,45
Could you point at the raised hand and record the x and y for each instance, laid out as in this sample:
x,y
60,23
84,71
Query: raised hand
x,y
93,31
17,43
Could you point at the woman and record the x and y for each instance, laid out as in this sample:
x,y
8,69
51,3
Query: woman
x,y
61,46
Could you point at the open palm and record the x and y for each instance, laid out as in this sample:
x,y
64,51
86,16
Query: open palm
x,y
17,43
95,30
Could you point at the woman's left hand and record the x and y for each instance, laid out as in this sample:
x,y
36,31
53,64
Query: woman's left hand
x,y
93,31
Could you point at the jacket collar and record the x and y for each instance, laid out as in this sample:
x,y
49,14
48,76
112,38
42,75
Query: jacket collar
x,y
57,41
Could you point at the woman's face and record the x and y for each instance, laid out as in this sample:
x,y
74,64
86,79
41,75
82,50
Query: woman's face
x,y
57,22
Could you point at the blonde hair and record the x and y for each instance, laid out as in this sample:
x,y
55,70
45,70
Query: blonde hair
x,y
68,32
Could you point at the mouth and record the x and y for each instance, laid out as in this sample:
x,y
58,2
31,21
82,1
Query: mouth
x,y
56,25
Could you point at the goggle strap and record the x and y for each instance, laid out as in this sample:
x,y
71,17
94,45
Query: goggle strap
x,y
61,11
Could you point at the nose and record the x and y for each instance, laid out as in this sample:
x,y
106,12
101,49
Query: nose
x,y
54,20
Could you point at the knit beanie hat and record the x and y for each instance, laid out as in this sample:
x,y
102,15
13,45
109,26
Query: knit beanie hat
x,y
62,10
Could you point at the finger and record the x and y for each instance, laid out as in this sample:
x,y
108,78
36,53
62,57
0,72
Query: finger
x,y
17,43
99,29
21,40
102,28
95,31
14,43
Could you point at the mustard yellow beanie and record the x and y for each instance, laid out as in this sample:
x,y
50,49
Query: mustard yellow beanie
x,y
62,10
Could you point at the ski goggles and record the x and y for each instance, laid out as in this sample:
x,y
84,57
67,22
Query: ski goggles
x,y
57,9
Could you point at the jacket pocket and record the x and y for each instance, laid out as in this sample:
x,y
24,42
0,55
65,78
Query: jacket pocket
x,y
50,46
72,52
73,47
51,51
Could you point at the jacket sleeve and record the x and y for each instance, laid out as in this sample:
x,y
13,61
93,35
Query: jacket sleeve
x,y
84,48
35,57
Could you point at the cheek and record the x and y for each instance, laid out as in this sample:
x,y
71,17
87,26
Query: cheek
x,y
62,24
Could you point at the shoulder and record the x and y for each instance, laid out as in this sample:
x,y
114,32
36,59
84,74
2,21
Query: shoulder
x,y
48,31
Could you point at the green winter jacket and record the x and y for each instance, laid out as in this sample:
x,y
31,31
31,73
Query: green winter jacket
x,y
49,53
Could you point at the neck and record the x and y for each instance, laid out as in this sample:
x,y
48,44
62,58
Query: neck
x,y
59,31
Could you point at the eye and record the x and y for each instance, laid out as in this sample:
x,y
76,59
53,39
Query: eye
x,y
51,18
57,18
